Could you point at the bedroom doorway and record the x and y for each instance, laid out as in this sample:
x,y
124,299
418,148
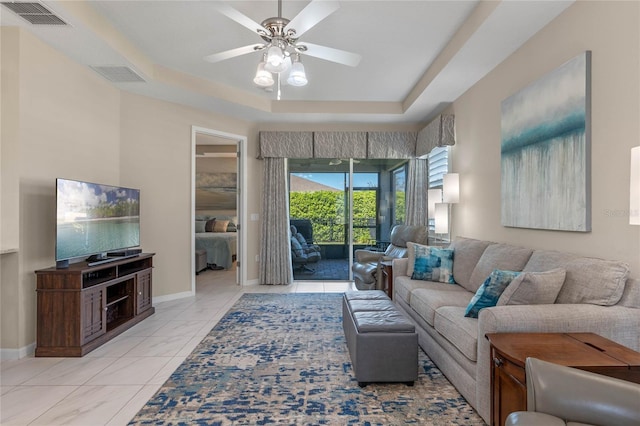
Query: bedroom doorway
x,y
218,165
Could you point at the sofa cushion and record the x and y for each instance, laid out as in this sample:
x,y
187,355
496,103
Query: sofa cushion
x,y
545,260
594,281
426,301
489,292
461,332
466,253
534,288
403,286
431,263
498,256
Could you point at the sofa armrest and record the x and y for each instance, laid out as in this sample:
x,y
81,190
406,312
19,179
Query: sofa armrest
x,y
400,266
365,256
616,323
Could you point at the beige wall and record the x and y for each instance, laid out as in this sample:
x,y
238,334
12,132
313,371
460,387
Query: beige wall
x,y
611,31
70,122
156,157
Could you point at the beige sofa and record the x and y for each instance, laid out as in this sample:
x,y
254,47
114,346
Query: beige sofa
x,y
596,296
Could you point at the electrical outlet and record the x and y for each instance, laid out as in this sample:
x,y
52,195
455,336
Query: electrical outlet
x,y
254,216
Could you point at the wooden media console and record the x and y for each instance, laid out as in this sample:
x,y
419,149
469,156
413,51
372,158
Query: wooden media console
x,y
82,307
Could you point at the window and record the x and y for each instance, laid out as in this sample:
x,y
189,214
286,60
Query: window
x,y
398,191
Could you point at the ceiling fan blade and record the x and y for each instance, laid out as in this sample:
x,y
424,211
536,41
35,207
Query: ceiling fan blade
x,y
313,13
238,51
240,18
330,54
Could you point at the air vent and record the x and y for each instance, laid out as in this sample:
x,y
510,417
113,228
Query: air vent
x,y
35,13
118,74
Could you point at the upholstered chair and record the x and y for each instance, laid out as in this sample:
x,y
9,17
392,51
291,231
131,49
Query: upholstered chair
x,y
303,253
559,396
367,270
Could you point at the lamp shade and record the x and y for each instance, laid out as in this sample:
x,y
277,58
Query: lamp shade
x,y
442,218
263,77
275,60
634,196
451,188
297,76
433,196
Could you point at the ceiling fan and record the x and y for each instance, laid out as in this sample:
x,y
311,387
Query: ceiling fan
x,y
281,49
337,161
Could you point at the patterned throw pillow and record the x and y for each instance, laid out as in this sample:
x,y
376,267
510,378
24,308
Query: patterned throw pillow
x,y
231,227
432,264
490,291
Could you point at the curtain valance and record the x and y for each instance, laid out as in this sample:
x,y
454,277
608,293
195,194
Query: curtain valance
x,y
286,145
440,132
340,144
391,145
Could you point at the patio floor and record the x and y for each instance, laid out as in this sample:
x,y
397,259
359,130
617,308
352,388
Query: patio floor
x,y
325,270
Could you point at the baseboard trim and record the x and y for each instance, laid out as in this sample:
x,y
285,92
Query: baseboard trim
x,y
169,297
7,354
251,282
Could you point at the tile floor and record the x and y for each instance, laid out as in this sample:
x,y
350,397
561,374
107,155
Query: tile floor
x,y
109,385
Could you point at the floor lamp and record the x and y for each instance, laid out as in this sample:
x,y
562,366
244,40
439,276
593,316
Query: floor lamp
x,y
634,194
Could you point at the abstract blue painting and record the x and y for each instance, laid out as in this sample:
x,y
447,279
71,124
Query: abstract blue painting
x,y
546,151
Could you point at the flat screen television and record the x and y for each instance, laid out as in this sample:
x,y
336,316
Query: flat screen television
x,y
95,220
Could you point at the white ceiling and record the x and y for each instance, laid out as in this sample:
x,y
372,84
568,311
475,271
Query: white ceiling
x,y
417,56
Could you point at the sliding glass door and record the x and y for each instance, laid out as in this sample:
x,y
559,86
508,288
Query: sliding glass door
x,y
337,206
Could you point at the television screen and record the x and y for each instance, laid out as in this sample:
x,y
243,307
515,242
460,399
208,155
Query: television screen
x,y
94,219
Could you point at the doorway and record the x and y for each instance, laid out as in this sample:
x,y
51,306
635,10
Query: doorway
x,y
227,151
341,205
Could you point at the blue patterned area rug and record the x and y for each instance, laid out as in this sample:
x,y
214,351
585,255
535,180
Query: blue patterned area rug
x,y
282,359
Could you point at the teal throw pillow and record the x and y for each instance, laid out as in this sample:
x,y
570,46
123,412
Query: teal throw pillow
x,y
433,264
490,291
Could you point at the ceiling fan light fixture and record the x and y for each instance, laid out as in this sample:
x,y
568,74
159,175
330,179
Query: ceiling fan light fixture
x,y
297,76
263,77
275,60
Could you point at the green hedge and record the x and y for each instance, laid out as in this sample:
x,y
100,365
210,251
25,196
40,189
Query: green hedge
x,y
326,210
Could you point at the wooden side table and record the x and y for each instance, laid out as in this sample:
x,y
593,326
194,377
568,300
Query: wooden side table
x,y
586,351
387,270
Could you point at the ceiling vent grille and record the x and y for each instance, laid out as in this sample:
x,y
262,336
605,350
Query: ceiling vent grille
x,y
118,74
35,13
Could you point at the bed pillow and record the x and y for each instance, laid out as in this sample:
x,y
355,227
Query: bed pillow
x,y
201,225
220,225
231,227
490,291
534,288
208,227
432,264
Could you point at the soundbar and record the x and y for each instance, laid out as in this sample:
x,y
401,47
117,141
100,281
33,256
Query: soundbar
x,y
122,253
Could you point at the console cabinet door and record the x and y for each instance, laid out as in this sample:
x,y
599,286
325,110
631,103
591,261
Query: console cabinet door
x,y
509,392
143,291
94,313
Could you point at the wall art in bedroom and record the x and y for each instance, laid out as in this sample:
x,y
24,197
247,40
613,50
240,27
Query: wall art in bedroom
x,y
546,151
216,191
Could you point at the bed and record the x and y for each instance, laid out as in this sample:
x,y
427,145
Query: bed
x,y
221,247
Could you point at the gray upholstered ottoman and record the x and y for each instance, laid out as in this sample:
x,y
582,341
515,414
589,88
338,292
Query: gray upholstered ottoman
x,y
383,344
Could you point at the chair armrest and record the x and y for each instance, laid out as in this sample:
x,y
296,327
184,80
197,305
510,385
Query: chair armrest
x,y
365,256
581,396
529,418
